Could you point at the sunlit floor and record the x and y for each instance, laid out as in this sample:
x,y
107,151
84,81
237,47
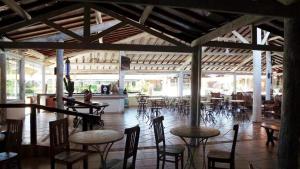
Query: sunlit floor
x,y
250,147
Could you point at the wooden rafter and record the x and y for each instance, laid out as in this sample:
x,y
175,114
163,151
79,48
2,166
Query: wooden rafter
x,y
78,31
63,30
106,31
138,25
17,8
244,46
39,18
147,11
94,46
233,6
237,23
87,22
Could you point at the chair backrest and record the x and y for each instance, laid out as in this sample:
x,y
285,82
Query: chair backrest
x,y
217,94
59,136
236,130
13,140
159,131
251,166
132,141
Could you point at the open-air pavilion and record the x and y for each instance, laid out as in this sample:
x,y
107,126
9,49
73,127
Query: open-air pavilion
x,y
210,64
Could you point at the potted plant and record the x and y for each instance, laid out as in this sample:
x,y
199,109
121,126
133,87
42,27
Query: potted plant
x,y
87,95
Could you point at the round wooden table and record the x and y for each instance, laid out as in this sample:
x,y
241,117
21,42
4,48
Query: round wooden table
x,y
202,133
97,138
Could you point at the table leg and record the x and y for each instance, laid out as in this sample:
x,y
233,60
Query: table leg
x,y
85,161
270,138
103,153
204,141
191,152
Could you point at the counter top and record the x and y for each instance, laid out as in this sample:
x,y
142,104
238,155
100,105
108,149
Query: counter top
x,y
103,96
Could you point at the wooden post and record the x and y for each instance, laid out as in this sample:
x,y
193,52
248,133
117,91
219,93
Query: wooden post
x,y
33,136
196,58
290,116
2,85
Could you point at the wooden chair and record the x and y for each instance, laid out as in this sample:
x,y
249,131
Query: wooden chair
x,y
164,150
59,145
251,166
131,146
223,156
13,140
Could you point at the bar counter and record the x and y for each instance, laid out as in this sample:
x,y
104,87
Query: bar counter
x,y
115,101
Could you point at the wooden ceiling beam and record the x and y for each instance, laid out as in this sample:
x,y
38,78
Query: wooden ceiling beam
x,y
78,31
40,18
87,22
138,25
93,46
63,30
244,46
106,31
265,8
147,11
13,5
235,24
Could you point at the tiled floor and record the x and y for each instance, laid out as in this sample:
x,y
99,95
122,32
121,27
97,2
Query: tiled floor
x,y
250,147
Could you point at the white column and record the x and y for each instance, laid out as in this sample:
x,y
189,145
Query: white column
x,y
2,85
22,78
43,78
268,75
180,84
121,73
234,83
59,80
257,81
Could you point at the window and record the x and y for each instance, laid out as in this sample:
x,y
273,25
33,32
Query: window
x,y
12,78
33,78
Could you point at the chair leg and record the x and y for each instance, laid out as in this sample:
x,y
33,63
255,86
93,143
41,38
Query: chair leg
x,y
69,166
19,163
232,165
209,164
157,161
182,160
164,160
52,161
176,162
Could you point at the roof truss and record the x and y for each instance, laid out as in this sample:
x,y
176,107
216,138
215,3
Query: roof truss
x,y
262,7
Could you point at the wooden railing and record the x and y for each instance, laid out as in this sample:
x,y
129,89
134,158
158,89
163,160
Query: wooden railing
x,y
86,117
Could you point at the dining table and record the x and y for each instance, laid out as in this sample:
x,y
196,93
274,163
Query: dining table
x,y
194,132
100,140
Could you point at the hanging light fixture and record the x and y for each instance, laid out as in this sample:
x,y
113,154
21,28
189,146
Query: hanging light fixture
x,y
68,68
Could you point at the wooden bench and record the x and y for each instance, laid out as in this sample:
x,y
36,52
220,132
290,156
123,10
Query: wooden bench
x,y
270,128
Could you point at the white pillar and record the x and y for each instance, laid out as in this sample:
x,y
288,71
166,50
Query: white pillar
x,y
268,75
121,73
234,83
180,84
44,78
59,80
257,81
2,85
22,78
